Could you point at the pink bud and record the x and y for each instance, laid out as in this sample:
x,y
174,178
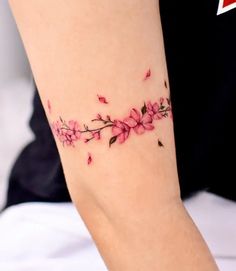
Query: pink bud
x,y
96,135
99,117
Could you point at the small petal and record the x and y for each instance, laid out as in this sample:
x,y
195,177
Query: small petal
x,y
135,114
130,122
97,135
116,130
102,99
147,75
89,161
148,126
139,129
155,107
121,138
146,118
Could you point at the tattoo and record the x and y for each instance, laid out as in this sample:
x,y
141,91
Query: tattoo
x,y
49,107
147,75
89,161
102,99
160,144
137,122
165,84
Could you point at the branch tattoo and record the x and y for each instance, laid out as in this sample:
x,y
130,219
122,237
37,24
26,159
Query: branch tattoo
x,y
138,122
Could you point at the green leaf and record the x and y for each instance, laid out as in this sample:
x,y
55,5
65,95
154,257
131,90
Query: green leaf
x,y
162,107
112,140
144,109
160,144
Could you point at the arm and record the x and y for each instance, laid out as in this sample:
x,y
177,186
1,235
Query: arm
x,y
91,59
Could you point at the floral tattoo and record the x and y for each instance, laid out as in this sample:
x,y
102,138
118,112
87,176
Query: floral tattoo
x,y
138,121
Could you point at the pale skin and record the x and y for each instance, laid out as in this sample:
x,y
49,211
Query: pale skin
x,y
128,195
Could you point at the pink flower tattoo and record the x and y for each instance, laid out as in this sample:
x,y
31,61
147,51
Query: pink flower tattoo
x,y
138,121
120,131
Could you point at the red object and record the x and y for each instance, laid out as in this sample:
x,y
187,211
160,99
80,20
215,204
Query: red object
x,y
147,75
228,2
102,99
89,158
225,6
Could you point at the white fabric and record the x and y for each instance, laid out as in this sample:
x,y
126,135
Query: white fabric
x,y
46,236
216,219
43,236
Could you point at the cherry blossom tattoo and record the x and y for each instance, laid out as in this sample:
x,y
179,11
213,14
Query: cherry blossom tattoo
x,y
139,121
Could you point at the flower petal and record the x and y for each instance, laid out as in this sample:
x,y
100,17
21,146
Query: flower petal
x,y
139,129
148,126
121,138
155,107
146,118
135,115
116,130
130,122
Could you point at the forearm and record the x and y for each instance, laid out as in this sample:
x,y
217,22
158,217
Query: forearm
x,y
127,191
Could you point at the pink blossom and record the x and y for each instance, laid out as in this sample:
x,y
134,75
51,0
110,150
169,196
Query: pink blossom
x,y
121,130
99,117
102,99
73,130
153,111
57,129
66,133
96,135
139,123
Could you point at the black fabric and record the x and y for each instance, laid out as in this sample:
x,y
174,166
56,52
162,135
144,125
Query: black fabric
x,y
37,174
201,58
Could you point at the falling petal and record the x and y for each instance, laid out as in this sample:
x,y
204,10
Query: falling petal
x,y
147,75
89,158
49,107
102,99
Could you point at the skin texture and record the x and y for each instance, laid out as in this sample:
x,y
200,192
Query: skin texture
x,y
92,57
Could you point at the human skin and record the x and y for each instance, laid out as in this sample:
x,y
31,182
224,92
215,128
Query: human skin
x,y
107,57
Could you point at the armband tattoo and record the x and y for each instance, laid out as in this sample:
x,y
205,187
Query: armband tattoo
x,y
138,121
